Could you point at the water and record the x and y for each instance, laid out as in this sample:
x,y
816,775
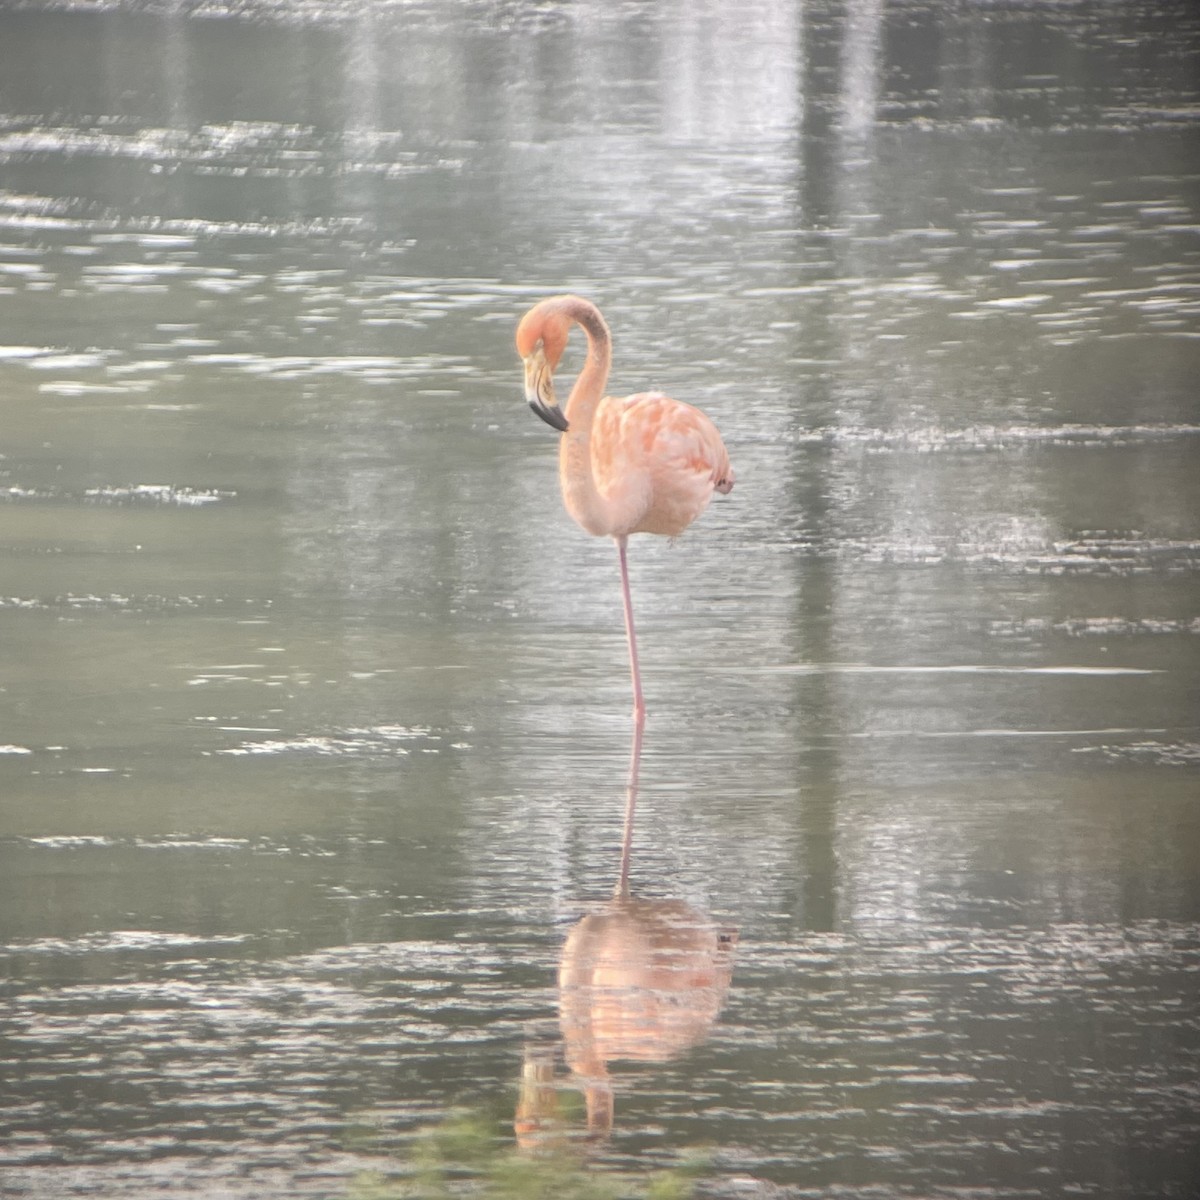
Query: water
x,y
314,704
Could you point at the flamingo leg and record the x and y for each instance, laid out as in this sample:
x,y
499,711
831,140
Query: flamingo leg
x,y
621,891
639,704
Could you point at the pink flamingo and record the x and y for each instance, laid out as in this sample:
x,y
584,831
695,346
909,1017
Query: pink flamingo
x,y
636,464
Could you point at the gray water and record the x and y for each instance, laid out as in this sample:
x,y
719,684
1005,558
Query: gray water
x,y
314,706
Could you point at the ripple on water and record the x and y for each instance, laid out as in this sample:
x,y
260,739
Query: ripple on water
x,y
121,941
384,739
1151,753
1086,627
305,846
1107,555
151,494
865,1041
933,439
132,605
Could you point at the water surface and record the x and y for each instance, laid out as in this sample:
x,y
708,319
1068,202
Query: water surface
x,y
314,704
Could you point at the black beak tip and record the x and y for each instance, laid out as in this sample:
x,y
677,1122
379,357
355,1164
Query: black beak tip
x,y
552,416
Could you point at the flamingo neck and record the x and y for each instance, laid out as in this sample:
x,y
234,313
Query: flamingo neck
x,y
582,497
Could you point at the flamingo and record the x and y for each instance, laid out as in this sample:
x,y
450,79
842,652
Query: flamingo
x,y
636,464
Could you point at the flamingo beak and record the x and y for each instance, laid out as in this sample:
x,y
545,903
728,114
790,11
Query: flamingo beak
x,y
539,389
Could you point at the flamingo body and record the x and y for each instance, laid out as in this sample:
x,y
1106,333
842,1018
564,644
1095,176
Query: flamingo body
x,y
636,464
660,457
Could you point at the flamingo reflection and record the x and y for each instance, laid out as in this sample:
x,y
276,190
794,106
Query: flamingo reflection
x,y
639,981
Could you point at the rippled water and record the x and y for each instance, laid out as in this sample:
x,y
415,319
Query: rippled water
x,y
314,703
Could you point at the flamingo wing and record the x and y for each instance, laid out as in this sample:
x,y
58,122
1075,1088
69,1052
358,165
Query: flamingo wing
x,y
666,453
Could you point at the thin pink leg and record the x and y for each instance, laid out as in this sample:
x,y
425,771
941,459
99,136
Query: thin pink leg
x,y
639,704
621,891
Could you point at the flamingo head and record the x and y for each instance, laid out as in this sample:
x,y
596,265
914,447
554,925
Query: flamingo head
x,y
541,340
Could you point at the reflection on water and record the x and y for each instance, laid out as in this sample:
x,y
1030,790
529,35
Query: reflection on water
x,y
642,981
309,764
638,980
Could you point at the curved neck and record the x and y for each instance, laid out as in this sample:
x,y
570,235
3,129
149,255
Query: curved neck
x,y
584,500
589,386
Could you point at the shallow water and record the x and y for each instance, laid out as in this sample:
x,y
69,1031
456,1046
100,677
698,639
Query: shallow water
x,y
314,704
